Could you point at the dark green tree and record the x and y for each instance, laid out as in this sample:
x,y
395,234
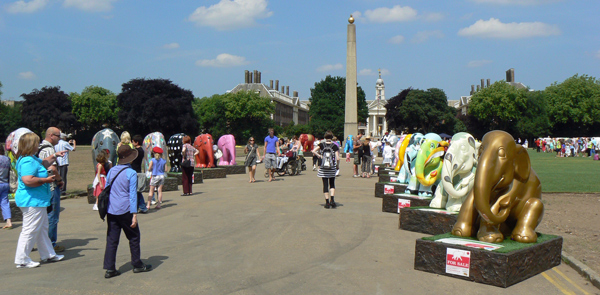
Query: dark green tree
x,y
242,114
327,106
95,107
499,107
48,107
392,115
534,121
148,105
10,119
574,106
426,111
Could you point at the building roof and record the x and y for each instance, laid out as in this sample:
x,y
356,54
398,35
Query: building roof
x,y
275,95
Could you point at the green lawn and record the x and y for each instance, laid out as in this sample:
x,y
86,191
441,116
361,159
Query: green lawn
x,y
573,175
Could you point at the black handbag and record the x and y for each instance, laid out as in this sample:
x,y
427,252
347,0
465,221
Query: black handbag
x,y
104,196
186,163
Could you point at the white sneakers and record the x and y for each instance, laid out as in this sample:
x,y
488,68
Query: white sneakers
x,y
31,264
55,258
95,208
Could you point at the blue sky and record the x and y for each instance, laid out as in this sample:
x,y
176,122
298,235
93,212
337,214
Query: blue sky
x,y
205,46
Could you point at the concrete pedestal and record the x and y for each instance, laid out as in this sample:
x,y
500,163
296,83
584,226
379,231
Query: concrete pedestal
x,y
393,203
488,267
209,173
234,169
393,188
427,220
198,177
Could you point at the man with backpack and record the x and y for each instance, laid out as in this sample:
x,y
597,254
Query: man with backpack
x,y
329,155
46,150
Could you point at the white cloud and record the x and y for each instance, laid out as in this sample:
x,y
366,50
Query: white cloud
x,y
433,17
171,46
26,7
27,75
396,39
516,2
369,72
385,72
223,60
478,63
328,68
90,5
423,36
231,14
395,14
493,28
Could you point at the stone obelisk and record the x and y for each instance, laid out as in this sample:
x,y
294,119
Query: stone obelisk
x,y
351,112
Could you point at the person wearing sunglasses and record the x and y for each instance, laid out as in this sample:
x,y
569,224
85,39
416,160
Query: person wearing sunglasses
x,y
252,156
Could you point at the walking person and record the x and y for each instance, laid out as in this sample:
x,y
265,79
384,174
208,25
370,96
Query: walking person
x,y
366,158
356,146
4,188
136,165
157,166
271,151
100,179
63,162
252,156
387,155
188,152
329,154
122,213
33,197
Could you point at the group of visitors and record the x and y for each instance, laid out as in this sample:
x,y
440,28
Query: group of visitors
x,y
364,153
568,147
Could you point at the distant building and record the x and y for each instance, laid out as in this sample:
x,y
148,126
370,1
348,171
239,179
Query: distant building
x,y
463,104
12,103
287,108
376,124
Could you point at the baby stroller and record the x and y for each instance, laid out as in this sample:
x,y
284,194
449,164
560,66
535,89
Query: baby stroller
x,y
290,165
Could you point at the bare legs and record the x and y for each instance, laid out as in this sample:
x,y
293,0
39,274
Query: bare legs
x,y
251,173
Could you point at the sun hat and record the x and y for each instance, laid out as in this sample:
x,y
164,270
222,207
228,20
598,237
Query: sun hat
x,y
126,154
157,150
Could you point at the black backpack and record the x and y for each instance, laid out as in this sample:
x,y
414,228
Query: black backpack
x,y
328,161
104,196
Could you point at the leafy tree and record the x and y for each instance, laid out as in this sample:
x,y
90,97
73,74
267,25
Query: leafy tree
x,y
0,89
327,106
499,107
574,106
94,107
148,105
534,121
426,111
242,114
10,119
47,107
293,129
392,115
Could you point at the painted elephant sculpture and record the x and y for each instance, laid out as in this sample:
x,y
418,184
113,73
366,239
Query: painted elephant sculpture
x,y
226,144
407,172
175,144
12,140
105,140
349,144
428,165
458,173
393,139
506,197
205,158
307,141
399,150
152,140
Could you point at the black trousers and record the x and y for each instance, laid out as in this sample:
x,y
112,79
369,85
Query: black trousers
x,y
116,223
62,171
186,179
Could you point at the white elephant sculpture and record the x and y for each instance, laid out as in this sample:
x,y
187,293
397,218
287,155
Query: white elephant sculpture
x,y
458,173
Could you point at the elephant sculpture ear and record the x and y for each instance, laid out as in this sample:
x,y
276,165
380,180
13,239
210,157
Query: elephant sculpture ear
x,y
522,164
472,142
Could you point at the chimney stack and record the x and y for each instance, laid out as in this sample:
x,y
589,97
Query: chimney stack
x,y
295,93
250,78
276,85
287,90
510,75
246,73
271,84
488,82
472,89
255,76
282,89
482,85
478,88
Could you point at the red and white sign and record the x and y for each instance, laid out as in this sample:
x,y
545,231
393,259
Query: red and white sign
x,y
458,262
388,189
376,169
393,179
392,173
402,203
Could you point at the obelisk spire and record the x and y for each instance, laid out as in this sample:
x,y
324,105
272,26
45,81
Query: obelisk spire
x,y
351,111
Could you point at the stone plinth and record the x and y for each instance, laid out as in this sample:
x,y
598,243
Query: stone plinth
x,y
15,212
393,203
198,178
380,188
427,220
170,185
209,173
234,169
90,194
491,267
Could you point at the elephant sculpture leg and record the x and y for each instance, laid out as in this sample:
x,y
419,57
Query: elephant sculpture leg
x,y
466,218
528,220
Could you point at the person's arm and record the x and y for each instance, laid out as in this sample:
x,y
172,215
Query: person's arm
x,y
28,168
132,175
265,149
337,155
315,150
277,149
246,149
51,159
196,151
257,153
74,144
150,165
98,167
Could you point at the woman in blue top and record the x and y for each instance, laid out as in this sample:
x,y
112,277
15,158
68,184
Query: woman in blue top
x,y
32,197
157,166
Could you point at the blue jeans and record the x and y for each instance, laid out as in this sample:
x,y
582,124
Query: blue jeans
x,y
4,187
53,216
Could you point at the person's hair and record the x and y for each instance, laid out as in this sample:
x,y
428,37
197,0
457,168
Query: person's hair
x,y
1,149
295,137
334,138
156,155
186,139
125,138
137,138
28,145
328,134
101,157
251,137
271,129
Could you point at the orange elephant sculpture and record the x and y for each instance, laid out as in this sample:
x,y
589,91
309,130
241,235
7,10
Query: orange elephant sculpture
x,y
204,144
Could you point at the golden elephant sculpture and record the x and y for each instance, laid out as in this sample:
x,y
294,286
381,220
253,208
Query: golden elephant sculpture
x,y
506,196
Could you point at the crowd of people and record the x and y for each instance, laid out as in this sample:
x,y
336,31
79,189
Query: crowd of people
x,y
569,147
